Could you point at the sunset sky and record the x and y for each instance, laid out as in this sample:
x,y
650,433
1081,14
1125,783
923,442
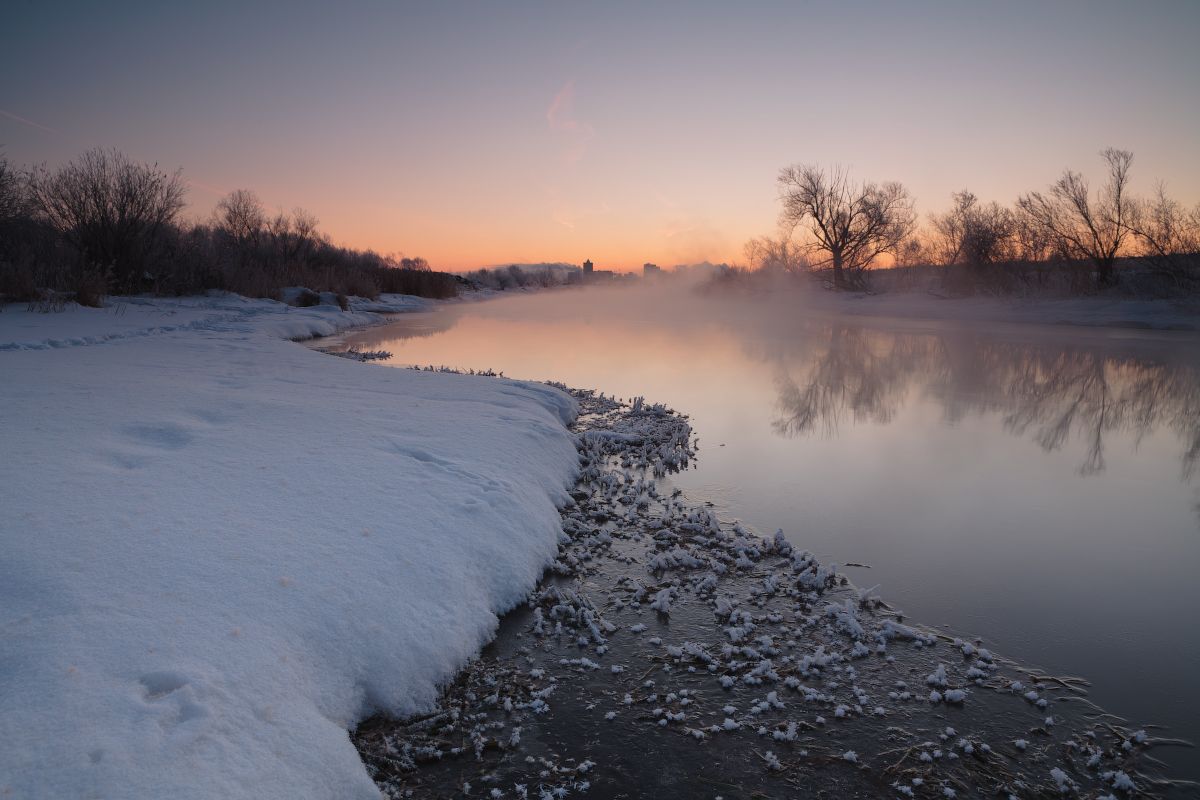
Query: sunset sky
x,y
476,134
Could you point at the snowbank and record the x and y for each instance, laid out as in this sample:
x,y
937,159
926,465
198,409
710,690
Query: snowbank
x,y
219,550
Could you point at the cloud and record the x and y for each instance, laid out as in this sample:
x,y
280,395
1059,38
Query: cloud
x,y
205,187
574,133
562,211
28,122
564,217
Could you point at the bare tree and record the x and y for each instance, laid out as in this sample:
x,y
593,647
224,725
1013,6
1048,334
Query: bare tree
x,y
1030,241
972,232
778,255
240,216
419,264
14,200
304,224
913,251
1168,235
851,223
950,229
279,228
292,237
113,210
1083,226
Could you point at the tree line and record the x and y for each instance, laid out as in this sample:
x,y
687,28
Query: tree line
x,y
105,223
840,228
525,276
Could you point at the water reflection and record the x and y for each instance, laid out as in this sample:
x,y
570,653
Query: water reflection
x,y
944,454
1049,394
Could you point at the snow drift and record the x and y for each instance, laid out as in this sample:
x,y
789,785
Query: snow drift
x,y
219,550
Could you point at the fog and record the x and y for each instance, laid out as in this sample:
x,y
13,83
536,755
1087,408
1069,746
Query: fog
x,y
835,361
992,473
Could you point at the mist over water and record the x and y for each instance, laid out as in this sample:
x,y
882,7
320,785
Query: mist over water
x,y
1036,486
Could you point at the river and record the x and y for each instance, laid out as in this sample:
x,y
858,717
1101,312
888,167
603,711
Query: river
x,y
1032,485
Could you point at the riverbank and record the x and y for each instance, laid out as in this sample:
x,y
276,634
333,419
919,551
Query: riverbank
x,y
672,653
1085,312
190,617
222,550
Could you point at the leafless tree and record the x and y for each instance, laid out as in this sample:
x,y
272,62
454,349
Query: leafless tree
x,y
1168,235
913,251
113,210
1030,241
304,224
279,228
240,216
418,263
972,232
949,229
13,195
1084,226
851,223
775,254
292,237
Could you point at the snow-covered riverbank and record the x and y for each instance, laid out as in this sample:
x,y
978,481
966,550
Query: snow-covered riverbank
x,y
219,550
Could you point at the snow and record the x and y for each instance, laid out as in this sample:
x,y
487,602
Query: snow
x,y
1123,782
221,549
1062,780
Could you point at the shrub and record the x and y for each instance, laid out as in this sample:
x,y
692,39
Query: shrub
x,y
114,211
91,288
307,298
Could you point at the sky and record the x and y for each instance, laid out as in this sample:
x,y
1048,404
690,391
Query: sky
x,y
489,133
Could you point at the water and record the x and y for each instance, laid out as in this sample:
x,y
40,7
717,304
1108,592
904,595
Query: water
x,y
1035,486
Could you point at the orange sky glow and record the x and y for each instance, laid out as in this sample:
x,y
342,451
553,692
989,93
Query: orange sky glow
x,y
617,133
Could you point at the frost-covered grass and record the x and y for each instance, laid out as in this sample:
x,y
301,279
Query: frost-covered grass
x,y
219,550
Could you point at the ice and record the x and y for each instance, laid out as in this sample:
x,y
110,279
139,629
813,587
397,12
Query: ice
x,y
1123,782
956,696
938,677
662,601
1062,780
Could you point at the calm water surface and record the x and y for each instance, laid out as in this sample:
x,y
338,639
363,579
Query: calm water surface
x,y
1035,486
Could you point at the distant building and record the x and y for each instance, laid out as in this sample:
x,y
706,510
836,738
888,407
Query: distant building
x,y
592,275
651,270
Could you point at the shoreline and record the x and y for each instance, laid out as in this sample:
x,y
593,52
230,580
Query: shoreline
x,y
1131,314
738,700
253,397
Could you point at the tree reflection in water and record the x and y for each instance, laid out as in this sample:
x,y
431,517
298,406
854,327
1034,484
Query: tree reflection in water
x,y
1049,393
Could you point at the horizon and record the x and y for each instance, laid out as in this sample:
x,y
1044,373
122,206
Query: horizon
x,y
354,446
487,144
